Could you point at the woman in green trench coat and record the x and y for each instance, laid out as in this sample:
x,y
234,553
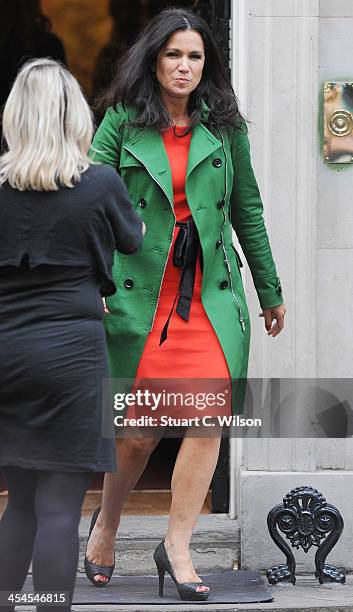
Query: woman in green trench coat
x,y
173,76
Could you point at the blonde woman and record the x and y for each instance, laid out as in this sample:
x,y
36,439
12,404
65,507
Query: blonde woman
x,y
61,218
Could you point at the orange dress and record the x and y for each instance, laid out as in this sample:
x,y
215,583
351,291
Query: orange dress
x,y
192,349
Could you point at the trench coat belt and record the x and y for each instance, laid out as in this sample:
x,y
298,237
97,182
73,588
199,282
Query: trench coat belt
x,y
186,248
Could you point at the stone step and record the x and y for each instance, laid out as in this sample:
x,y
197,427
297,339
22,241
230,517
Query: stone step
x,y
215,543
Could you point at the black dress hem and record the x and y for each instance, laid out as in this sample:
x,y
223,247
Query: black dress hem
x,y
49,466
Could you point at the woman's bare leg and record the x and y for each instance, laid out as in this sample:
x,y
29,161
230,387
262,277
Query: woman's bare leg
x,y
192,475
132,457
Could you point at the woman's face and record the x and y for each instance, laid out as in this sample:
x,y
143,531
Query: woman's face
x,y
180,63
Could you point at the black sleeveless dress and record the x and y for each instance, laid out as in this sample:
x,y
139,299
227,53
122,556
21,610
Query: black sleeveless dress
x,y
53,357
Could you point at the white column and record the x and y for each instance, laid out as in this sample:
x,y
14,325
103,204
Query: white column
x,y
239,69
275,74
288,48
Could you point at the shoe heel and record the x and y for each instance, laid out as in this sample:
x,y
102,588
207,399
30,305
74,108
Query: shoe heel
x,y
161,573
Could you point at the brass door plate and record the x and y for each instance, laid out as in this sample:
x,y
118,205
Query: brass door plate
x,y
338,122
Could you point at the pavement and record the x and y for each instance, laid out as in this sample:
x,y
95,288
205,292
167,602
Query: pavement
x,y
306,595
215,546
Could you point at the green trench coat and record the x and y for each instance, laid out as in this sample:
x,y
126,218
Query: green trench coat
x,y
221,191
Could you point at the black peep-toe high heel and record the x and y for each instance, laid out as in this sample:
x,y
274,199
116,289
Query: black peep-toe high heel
x,y
187,590
92,569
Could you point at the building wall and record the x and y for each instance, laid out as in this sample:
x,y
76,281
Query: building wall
x,y
335,210
286,49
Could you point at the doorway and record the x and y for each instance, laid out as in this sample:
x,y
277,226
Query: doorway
x,y
94,35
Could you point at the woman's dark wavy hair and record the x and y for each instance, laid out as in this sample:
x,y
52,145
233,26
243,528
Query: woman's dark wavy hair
x,y
135,83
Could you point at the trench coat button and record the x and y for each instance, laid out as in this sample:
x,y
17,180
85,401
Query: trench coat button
x,y
220,204
217,162
223,284
218,244
142,203
278,287
128,283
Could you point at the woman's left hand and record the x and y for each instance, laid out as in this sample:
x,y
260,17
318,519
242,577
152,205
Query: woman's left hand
x,y
277,313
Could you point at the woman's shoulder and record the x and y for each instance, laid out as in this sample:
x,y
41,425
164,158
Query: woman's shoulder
x,y
103,175
237,136
115,128
237,130
96,185
103,185
120,114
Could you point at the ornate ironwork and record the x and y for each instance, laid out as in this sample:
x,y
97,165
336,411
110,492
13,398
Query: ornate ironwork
x,y
306,520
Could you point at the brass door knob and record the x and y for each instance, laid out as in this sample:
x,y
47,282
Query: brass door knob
x,y
340,123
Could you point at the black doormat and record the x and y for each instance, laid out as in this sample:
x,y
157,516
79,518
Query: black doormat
x,y
226,587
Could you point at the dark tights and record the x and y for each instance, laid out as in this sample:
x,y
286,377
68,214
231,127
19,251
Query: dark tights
x,y
40,524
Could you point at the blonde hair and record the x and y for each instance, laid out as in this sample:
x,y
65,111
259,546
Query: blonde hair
x,y
48,127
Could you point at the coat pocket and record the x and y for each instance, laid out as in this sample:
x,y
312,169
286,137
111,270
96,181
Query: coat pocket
x,y
238,258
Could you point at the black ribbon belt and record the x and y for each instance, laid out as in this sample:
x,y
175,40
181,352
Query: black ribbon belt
x,y
185,253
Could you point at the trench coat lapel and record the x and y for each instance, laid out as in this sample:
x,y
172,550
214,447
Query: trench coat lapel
x,y
203,143
148,147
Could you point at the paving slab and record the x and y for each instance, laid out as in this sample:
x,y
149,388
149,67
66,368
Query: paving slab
x,y
306,596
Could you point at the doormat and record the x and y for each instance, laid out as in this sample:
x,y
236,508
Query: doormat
x,y
226,587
